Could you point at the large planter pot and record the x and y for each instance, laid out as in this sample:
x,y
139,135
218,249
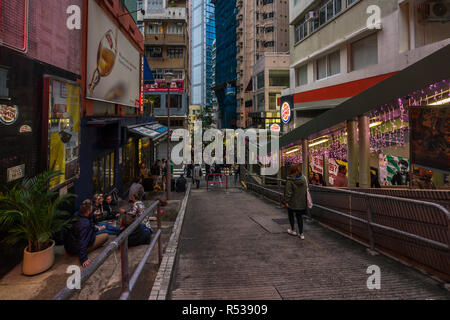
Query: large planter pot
x,y
38,262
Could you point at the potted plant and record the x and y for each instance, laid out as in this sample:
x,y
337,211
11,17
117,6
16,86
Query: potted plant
x,y
30,211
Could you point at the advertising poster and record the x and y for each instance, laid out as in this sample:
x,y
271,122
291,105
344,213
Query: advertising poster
x,y
394,171
316,164
430,137
113,64
333,167
64,130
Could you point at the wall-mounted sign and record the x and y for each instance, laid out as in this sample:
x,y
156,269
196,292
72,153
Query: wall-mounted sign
x,y
286,112
16,173
161,86
113,63
8,114
25,129
275,127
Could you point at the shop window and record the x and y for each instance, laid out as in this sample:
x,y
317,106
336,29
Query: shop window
x,y
129,170
273,101
103,173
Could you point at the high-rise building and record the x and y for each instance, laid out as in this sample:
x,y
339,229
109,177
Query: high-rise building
x,y
262,27
225,87
202,39
166,29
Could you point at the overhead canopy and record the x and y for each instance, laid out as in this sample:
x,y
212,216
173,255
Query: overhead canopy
x,y
429,70
153,130
148,75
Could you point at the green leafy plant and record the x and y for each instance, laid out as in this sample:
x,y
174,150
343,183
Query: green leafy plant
x,y
29,211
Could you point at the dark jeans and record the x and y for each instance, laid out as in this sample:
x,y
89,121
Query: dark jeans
x,y
299,214
197,182
109,229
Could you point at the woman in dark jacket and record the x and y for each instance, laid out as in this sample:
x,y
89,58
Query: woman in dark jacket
x,y
295,198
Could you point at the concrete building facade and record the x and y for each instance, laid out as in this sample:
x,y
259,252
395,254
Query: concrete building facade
x,y
262,27
166,30
337,51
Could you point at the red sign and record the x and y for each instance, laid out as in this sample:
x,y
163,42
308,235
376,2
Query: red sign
x,y
8,114
275,127
285,112
161,86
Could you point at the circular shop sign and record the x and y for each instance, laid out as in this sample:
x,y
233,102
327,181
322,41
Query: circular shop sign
x,y
8,114
285,112
275,127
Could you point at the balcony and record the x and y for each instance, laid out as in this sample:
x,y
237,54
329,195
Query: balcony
x,y
173,13
165,39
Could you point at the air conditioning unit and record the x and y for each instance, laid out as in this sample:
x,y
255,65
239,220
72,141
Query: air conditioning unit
x,y
311,15
436,11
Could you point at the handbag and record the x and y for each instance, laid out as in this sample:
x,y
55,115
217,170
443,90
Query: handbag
x,y
308,197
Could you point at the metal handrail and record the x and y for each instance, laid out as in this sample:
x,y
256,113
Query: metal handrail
x,y
122,242
369,222
213,182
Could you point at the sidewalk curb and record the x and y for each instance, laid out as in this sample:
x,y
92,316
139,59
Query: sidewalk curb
x,y
163,279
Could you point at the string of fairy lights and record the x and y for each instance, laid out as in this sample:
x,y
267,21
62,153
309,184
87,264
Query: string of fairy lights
x,y
389,126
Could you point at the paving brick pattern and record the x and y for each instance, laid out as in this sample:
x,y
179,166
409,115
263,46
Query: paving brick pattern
x,y
230,249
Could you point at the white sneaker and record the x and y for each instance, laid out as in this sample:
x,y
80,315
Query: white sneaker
x,y
292,233
302,236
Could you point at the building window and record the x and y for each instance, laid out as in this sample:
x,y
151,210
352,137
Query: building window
x,y
260,80
350,2
269,44
175,28
155,5
267,2
260,102
301,31
325,13
175,53
153,52
279,78
176,101
273,101
301,75
154,28
269,29
364,52
268,15
328,66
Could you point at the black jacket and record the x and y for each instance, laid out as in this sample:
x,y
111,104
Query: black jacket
x,y
140,236
108,214
181,184
81,236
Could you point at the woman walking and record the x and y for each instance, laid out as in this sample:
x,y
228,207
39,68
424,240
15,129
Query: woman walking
x,y
295,198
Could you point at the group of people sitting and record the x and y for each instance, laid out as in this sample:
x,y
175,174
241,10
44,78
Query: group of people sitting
x,y
89,230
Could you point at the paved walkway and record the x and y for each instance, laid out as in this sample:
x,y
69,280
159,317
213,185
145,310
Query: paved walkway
x,y
235,246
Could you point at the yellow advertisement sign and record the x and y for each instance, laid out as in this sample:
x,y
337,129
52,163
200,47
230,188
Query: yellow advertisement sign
x,y
64,130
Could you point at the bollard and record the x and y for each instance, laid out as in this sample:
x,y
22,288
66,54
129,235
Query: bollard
x,y
124,267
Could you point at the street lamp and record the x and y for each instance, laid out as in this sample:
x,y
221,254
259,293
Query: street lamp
x,y
168,76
